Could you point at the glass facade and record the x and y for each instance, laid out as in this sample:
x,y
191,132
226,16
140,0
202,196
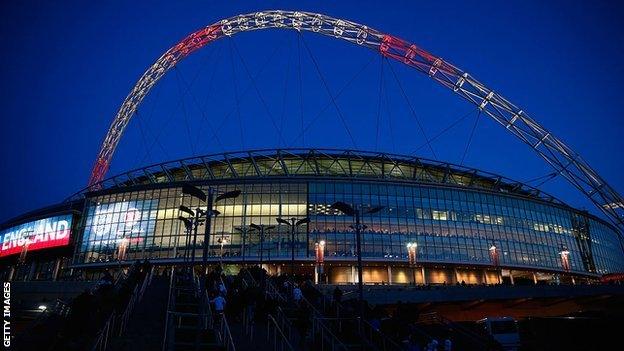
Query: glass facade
x,y
449,224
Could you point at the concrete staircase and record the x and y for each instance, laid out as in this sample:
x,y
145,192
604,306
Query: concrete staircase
x,y
147,323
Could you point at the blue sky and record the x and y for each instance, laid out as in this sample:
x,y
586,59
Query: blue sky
x,y
66,68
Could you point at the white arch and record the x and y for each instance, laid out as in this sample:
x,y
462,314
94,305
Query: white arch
x,y
564,160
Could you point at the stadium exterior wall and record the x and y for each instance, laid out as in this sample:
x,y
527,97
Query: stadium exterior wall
x,y
460,228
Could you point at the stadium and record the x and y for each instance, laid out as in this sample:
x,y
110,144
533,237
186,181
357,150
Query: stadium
x,y
337,217
467,225
438,222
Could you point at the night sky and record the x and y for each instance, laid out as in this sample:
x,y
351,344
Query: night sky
x,y
67,66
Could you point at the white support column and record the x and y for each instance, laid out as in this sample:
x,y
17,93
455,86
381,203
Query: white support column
x,y
511,277
534,278
424,277
353,275
11,273
389,275
484,277
456,275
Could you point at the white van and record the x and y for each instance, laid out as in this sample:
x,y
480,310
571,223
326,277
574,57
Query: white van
x,y
503,329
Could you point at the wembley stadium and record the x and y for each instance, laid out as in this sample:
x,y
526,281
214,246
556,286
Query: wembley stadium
x,y
462,224
422,221
434,249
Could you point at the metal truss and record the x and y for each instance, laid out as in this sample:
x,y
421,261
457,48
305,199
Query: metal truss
x,y
563,159
326,163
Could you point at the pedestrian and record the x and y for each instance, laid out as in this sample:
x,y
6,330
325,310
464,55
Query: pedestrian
x,y
219,304
297,294
447,344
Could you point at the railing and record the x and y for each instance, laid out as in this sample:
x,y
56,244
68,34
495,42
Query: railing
x,y
101,341
284,322
377,338
226,335
116,322
169,304
280,340
318,327
480,340
372,336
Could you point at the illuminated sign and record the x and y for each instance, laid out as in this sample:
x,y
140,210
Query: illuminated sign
x,y
36,235
126,222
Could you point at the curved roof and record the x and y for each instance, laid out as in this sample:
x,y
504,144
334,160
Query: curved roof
x,y
318,162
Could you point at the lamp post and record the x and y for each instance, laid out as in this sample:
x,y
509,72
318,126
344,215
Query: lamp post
x,y
565,259
494,257
209,199
244,231
262,228
191,224
293,224
411,258
188,226
319,250
357,213
222,240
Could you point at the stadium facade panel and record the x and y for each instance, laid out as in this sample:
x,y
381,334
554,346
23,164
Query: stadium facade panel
x,y
460,223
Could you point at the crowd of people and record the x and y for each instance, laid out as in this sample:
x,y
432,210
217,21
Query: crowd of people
x,y
88,312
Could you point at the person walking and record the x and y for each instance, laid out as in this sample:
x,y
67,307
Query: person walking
x,y
297,294
219,304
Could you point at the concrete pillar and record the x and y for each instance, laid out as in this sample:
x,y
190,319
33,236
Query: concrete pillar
x,y
456,275
573,281
279,269
353,275
424,277
389,275
511,277
484,277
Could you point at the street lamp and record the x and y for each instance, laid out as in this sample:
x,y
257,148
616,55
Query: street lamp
x,y
357,213
494,255
411,258
209,213
293,224
319,250
244,231
222,240
262,228
565,259
191,224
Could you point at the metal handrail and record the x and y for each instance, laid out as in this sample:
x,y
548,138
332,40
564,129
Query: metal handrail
x,y
277,330
226,335
101,342
317,320
169,298
386,342
367,329
284,322
433,316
